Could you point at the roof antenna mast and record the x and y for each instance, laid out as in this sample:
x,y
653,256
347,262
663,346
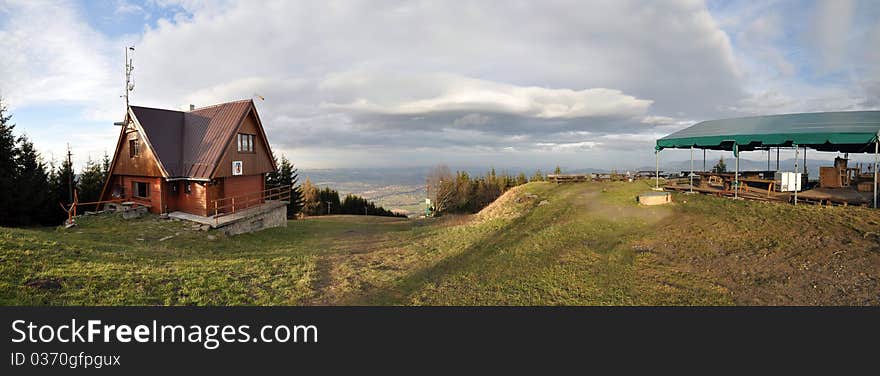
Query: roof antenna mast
x,y
129,84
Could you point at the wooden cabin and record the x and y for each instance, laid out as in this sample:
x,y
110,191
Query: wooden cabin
x,y
190,161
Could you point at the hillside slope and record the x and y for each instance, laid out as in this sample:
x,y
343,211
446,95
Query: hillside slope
x,y
539,244
593,244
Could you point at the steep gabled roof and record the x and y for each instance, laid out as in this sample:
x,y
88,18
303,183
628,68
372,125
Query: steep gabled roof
x,y
190,144
163,129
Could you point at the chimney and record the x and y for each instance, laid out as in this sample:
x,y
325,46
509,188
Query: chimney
x,y
192,107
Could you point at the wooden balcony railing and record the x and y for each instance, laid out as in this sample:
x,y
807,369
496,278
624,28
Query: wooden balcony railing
x,y
229,205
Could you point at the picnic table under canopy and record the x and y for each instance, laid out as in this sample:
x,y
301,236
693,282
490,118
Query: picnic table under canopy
x,y
845,132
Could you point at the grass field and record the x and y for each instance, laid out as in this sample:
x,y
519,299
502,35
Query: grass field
x,y
540,244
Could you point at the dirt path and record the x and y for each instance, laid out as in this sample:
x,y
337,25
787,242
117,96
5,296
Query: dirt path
x,y
359,256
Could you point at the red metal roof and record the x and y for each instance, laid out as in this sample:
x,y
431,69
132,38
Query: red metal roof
x,y
190,144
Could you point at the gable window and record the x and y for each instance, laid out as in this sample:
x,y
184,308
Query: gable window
x,y
133,148
245,143
140,189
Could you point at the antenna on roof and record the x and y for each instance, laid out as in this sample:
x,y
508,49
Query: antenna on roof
x,y
129,66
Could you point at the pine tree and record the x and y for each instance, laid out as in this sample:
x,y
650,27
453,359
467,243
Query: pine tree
x,y
287,176
538,176
60,183
272,177
285,172
296,193
105,166
8,153
91,182
558,170
521,178
32,191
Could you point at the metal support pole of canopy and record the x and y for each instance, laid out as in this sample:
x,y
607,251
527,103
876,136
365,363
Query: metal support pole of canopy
x,y
797,182
704,160
876,151
805,161
691,174
736,172
777,159
657,165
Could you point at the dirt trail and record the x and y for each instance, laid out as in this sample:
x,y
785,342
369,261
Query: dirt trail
x,y
356,254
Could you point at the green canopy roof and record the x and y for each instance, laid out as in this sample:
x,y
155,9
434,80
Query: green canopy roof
x,y
851,132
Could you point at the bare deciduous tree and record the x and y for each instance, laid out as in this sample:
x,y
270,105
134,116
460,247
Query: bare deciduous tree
x,y
441,188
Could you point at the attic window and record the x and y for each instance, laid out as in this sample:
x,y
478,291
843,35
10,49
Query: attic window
x,y
133,148
245,143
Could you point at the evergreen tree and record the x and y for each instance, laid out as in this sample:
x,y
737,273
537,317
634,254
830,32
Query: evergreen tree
x,y
272,177
538,176
521,178
296,193
285,172
91,182
287,175
558,170
463,191
61,182
8,153
105,166
32,193
329,201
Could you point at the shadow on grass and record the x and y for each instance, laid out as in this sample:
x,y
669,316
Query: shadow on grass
x,y
399,292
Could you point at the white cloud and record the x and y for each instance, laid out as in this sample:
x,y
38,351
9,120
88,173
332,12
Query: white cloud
x,y
832,26
124,7
50,55
452,93
381,77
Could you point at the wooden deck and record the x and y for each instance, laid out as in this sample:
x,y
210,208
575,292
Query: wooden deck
x,y
820,196
840,196
569,178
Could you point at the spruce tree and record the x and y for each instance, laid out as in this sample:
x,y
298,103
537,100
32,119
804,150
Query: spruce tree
x,y
296,193
105,166
521,178
91,182
32,193
8,153
272,177
60,183
287,175
538,176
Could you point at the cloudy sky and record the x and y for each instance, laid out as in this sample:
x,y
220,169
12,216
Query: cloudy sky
x,y
409,83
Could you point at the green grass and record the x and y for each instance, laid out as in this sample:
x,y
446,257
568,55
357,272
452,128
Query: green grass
x,y
556,254
588,244
109,261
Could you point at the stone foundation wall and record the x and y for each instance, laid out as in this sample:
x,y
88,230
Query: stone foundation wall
x,y
276,217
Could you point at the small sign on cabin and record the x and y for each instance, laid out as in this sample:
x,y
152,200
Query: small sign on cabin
x,y
237,168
